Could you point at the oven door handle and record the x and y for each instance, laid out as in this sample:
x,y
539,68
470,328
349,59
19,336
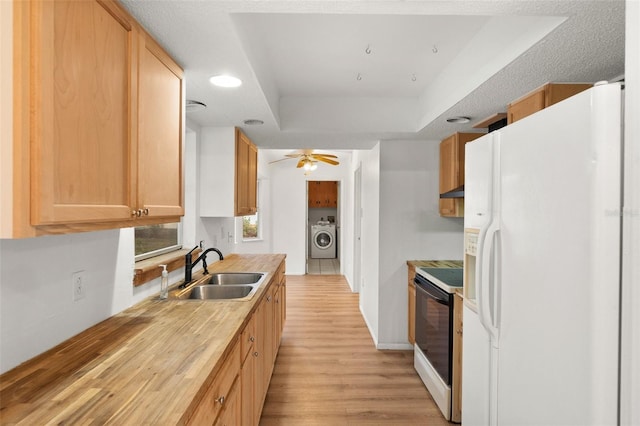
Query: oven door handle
x,y
435,297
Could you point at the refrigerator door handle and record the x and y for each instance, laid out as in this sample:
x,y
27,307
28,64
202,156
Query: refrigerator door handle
x,y
487,279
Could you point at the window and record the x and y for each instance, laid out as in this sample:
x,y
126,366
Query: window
x,y
251,224
153,240
250,227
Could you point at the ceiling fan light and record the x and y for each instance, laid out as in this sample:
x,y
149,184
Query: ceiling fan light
x,y
307,165
313,166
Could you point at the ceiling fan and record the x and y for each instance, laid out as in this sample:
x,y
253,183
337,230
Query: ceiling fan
x,y
308,160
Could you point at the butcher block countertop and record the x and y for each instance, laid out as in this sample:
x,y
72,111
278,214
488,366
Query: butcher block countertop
x,y
435,263
149,364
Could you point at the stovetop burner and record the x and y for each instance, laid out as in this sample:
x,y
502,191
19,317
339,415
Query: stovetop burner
x,y
450,276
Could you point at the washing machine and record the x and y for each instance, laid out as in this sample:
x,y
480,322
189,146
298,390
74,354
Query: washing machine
x,y
323,241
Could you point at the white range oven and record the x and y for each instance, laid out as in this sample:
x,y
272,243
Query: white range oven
x,y
433,355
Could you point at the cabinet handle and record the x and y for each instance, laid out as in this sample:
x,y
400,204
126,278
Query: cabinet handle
x,y
138,213
133,213
252,339
268,298
146,212
220,400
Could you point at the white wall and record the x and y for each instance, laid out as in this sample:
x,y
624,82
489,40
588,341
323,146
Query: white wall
x,y
400,222
370,194
410,228
630,384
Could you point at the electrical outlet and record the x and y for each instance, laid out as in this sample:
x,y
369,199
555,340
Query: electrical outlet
x,y
78,282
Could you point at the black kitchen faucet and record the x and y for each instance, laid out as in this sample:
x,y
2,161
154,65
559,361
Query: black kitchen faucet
x,y
188,264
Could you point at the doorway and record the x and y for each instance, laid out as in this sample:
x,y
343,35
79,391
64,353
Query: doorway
x,y
323,227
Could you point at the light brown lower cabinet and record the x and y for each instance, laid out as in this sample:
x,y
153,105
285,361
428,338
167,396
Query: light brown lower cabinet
x,y
237,393
456,385
251,403
231,412
221,392
411,308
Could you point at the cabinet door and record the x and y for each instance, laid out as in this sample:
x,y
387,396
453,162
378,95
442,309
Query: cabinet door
x,y
250,410
411,318
246,175
82,124
231,413
333,194
220,394
456,386
448,164
312,189
526,106
160,132
263,347
328,194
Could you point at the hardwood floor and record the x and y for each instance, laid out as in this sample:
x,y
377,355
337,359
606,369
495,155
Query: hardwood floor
x,y
328,371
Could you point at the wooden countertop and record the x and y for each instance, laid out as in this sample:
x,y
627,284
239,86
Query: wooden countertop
x,y
435,263
145,365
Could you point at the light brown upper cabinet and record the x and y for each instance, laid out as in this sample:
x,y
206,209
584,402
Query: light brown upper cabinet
x,y
160,130
452,171
86,122
228,173
541,98
246,175
323,193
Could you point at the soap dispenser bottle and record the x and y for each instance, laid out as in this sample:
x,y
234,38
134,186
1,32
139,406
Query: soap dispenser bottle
x,y
164,283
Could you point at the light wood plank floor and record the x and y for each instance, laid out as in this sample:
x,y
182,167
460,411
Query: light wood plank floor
x,y
328,371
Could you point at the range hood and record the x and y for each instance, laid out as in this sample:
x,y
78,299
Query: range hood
x,y
456,193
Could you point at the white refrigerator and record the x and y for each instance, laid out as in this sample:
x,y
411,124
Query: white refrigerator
x,y
542,267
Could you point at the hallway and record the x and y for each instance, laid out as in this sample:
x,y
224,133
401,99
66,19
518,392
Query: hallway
x,y
328,371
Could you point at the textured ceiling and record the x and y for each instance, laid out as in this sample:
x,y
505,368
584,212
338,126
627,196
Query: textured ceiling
x,y
347,74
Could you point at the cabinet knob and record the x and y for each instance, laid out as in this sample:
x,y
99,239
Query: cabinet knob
x,y
252,339
138,213
133,213
268,298
220,400
255,354
145,212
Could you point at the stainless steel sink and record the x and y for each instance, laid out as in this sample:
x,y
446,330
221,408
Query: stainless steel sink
x,y
223,285
234,278
221,292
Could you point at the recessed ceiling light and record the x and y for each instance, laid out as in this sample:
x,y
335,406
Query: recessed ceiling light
x,y
253,122
225,80
459,119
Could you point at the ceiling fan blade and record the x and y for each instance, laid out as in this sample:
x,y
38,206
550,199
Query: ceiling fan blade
x,y
328,160
324,155
294,155
301,162
282,159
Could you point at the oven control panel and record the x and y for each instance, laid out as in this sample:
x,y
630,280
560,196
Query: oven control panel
x,y
470,243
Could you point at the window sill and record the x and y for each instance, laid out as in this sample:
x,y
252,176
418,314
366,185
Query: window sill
x,y
149,269
251,240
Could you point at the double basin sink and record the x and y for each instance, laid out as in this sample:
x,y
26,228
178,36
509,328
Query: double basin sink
x,y
224,285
